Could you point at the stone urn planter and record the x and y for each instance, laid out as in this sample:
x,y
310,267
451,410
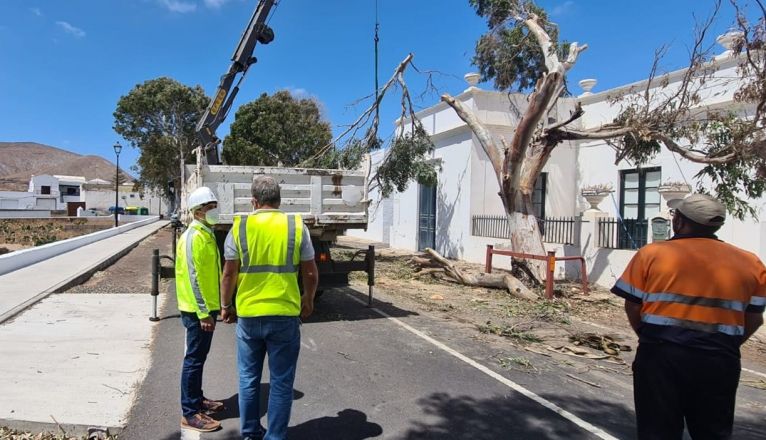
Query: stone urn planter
x,y
673,190
594,198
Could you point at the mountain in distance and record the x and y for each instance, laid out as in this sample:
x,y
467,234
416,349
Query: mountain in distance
x,y
19,161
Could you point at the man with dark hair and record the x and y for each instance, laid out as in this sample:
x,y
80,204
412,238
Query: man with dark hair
x,y
264,252
692,300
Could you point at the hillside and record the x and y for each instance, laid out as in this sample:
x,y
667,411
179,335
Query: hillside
x,y
19,161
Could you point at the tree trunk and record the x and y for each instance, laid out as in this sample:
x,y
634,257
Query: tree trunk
x,y
496,281
526,238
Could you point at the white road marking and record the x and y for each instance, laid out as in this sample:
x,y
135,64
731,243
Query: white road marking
x,y
311,345
753,372
189,434
598,432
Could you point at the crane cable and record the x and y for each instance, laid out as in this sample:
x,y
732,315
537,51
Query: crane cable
x,y
377,38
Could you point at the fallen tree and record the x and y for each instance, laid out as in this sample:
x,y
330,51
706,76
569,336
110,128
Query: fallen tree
x,y
434,263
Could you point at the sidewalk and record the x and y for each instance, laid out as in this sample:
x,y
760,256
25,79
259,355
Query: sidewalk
x,y
24,287
73,360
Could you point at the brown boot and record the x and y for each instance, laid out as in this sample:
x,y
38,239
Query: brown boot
x,y
200,422
212,406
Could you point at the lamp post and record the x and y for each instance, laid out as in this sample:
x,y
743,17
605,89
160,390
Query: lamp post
x,y
117,149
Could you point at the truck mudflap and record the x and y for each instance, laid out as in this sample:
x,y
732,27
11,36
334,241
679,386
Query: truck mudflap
x,y
334,274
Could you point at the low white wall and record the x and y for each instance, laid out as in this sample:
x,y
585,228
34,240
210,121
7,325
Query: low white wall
x,y
23,258
25,213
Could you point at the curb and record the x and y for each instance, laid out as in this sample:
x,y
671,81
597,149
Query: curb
x,y
73,281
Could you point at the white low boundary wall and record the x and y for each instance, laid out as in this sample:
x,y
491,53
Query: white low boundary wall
x,y
23,258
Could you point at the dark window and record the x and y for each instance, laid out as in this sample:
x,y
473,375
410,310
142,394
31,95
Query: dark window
x,y
639,198
538,195
71,191
45,189
639,202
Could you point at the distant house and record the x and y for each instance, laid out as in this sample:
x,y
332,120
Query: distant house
x,y
463,213
67,193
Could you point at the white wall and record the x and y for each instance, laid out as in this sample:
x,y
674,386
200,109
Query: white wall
x,y
102,199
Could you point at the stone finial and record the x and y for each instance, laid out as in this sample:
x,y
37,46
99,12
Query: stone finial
x,y
728,40
472,79
587,85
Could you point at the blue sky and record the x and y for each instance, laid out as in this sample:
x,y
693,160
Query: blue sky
x,y
64,64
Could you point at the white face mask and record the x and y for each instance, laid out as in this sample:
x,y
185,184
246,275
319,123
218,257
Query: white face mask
x,y
211,217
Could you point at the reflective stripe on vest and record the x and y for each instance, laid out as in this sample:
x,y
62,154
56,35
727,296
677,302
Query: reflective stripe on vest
x,y
289,265
268,243
193,271
198,271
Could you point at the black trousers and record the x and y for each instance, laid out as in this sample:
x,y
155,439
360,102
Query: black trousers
x,y
673,384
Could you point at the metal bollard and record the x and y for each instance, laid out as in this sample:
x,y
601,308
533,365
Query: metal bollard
x,y
370,273
155,283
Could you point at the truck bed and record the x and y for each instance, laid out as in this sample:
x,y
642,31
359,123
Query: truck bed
x,y
324,198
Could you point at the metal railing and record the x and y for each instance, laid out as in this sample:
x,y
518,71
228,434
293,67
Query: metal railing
x,y
615,233
563,230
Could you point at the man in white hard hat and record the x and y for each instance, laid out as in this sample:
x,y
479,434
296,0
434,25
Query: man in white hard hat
x,y
693,301
198,275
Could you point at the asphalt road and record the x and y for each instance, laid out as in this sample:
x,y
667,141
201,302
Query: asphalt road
x,y
363,376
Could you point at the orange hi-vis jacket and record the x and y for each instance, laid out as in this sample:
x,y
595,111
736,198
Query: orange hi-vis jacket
x,y
698,284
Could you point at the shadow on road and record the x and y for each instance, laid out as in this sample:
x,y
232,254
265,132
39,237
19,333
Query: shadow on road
x,y
513,417
510,417
231,405
349,424
338,305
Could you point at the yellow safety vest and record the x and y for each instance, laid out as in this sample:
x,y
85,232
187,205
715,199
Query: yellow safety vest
x,y
268,244
198,271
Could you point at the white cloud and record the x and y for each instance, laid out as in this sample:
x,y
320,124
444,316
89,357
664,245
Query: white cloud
x,y
68,28
562,8
215,4
36,11
178,6
298,92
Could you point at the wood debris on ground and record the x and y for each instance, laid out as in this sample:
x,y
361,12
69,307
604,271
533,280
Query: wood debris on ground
x,y
12,434
758,384
605,343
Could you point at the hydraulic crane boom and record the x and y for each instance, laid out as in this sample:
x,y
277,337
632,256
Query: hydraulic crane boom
x,y
216,112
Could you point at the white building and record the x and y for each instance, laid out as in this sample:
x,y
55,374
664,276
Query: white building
x,y
67,193
463,213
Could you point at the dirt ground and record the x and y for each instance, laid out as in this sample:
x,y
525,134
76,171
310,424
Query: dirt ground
x,y
18,234
132,273
572,323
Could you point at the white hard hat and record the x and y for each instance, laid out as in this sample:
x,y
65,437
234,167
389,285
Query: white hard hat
x,y
201,196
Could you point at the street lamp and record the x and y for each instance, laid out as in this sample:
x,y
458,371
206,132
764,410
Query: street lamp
x,y
117,149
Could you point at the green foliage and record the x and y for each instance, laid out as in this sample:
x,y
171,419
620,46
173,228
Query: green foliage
x,y
278,128
508,54
407,159
733,183
159,117
346,158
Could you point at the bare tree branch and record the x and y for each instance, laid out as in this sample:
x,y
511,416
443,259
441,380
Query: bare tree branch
x,y
367,113
686,153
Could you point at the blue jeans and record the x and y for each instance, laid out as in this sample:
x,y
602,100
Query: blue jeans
x,y
280,337
197,348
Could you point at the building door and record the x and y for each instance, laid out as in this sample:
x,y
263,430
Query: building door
x,y
427,218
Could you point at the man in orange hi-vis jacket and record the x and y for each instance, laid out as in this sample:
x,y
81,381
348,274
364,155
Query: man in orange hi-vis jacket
x,y
692,300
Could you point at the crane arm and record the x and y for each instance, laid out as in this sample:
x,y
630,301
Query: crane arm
x,y
256,32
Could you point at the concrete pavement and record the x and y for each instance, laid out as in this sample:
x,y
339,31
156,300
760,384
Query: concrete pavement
x,y
72,360
21,288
